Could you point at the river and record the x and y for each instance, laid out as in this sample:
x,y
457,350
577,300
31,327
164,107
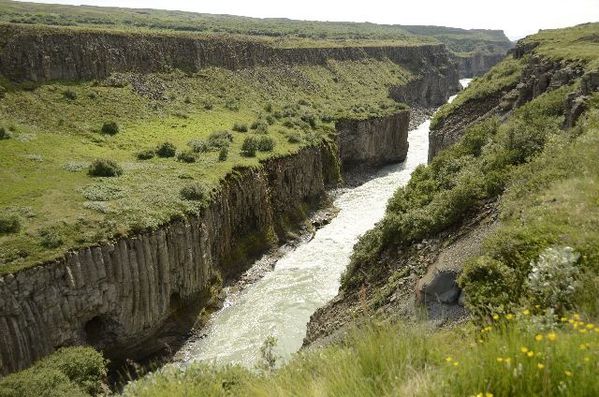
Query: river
x,y
280,303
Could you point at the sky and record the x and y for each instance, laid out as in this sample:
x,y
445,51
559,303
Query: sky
x,y
517,18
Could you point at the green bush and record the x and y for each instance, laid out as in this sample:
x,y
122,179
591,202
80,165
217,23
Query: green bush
x,y
198,146
9,223
69,94
146,154
69,372
265,144
208,105
104,168
50,238
187,157
110,128
260,126
219,139
4,134
232,105
489,285
166,150
249,146
294,137
194,192
240,127
223,154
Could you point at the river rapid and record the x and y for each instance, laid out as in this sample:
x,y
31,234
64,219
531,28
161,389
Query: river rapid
x,y
303,279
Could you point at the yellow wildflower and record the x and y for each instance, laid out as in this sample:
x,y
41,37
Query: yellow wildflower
x,y
540,366
530,353
563,319
524,349
449,359
583,331
488,394
583,346
495,317
587,359
508,360
590,326
509,316
499,359
526,312
552,336
455,363
568,373
576,316
539,337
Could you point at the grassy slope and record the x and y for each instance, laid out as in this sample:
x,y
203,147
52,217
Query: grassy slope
x,y
281,32
55,138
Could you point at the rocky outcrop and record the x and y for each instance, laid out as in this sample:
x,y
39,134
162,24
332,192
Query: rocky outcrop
x,y
44,54
538,76
137,295
477,63
431,87
373,142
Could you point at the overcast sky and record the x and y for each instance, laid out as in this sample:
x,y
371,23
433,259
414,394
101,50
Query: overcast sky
x,y
516,17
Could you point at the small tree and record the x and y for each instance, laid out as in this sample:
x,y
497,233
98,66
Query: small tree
x,y
110,128
104,168
249,147
166,149
69,94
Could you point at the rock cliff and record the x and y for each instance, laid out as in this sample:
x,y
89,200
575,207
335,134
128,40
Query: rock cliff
x,y
29,53
477,64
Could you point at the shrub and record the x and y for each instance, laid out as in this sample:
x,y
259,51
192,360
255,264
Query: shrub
x,y
69,94
4,134
104,168
268,107
50,238
194,192
232,105
265,144
260,126
166,149
110,128
69,372
223,154
249,146
146,154
9,223
198,146
294,137
489,285
240,127
187,157
219,139
270,119
554,278
208,106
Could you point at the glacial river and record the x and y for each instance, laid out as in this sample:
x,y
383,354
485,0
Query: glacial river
x,y
304,279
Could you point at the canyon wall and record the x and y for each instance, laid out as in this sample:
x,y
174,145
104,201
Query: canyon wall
x,y
368,142
477,63
45,54
135,296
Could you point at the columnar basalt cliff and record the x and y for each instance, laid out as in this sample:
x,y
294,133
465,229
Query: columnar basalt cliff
x,y
368,142
477,64
59,54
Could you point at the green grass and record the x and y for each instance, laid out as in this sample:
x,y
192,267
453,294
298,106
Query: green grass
x,y
54,139
505,358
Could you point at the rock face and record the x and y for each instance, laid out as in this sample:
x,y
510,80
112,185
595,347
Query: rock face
x,y
538,76
477,64
128,297
61,54
368,142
